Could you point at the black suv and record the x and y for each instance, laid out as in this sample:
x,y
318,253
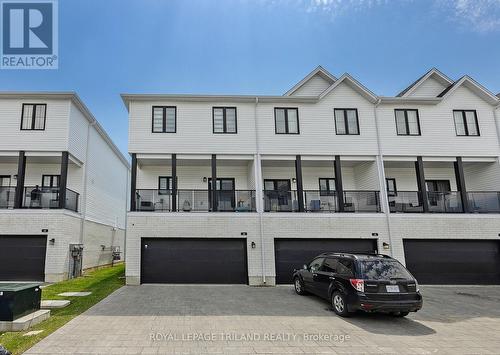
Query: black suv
x,y
367,282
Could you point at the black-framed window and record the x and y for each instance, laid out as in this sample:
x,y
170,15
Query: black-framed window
x,y
33,117
391,187
164,119
346,121
5,180
51,180
286,120
164,183
407,122
224,120
326,186
466,122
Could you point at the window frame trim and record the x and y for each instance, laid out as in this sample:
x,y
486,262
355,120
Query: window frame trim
x,y
33,117
346,121
407,124
51,180
224,119
164,119
287,130
464,120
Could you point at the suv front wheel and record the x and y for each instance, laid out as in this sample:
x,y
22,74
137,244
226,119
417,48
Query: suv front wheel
x,y
339,304
299,286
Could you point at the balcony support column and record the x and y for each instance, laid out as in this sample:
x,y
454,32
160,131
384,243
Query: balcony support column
x,y
21,172
460,178
339,189
422,188
173,208
133,182
63,182
214,183
300,187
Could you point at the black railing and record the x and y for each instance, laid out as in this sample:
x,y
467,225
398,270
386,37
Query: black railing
x,y
484,201
406,202
7,195
280,201
445,202
320,201
195,200
361,201
48,198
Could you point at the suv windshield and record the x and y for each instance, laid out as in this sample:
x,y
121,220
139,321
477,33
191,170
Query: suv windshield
x,y
384,270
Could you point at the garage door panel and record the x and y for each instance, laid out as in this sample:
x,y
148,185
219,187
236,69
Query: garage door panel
x,y
292,254
453,261
22,257
188,260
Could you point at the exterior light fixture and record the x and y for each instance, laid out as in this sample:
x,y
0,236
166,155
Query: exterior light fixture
x,y
253,245
52,241
204,179
294,180
385,245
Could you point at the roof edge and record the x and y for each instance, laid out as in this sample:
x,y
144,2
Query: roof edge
x,y
413,86
318,69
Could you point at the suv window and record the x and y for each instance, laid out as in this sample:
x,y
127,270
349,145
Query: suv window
x,y
316,264
330,265
383,270
345,267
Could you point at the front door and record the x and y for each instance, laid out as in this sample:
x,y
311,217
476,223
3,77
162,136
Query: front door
x,y
225,194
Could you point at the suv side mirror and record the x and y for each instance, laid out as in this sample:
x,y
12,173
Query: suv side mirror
x,y
304,267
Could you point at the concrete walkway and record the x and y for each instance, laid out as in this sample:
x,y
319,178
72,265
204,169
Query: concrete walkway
x,y
170,319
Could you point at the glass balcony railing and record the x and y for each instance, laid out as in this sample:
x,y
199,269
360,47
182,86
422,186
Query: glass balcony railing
x,y
484,201
320,201
48,198
445,202
195,200
7,195
406,202
280,201
361,201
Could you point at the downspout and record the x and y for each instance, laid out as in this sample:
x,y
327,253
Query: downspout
x,y
83,200
258,190
381,177
497,126
127,189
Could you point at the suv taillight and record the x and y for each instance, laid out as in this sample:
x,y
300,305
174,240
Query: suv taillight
x,y
358,284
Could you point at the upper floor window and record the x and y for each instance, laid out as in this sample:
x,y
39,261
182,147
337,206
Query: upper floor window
x,y
224,120
346,121
326,186
466,122
286,120
33,117
407,122
164,119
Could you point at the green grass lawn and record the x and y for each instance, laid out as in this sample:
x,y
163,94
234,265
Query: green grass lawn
x,y
100,282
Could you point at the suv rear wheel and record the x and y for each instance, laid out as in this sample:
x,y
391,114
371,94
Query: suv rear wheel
x,y
299,286
339,304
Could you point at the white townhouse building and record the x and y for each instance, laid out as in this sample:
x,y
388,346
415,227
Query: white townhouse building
x,y
63,188
243,189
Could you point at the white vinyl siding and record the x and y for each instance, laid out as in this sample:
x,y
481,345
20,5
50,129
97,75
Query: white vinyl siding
x,y
313,87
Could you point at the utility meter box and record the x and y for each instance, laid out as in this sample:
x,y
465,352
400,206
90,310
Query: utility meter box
x,y
18,300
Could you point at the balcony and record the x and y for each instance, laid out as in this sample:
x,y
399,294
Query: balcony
x,y
7,195
406,202
48,198
322,201
445,202
149,200
484,201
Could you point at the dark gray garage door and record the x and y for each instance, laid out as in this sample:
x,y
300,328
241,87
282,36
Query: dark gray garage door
x,y
189,260
22,257
474,262
294,253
